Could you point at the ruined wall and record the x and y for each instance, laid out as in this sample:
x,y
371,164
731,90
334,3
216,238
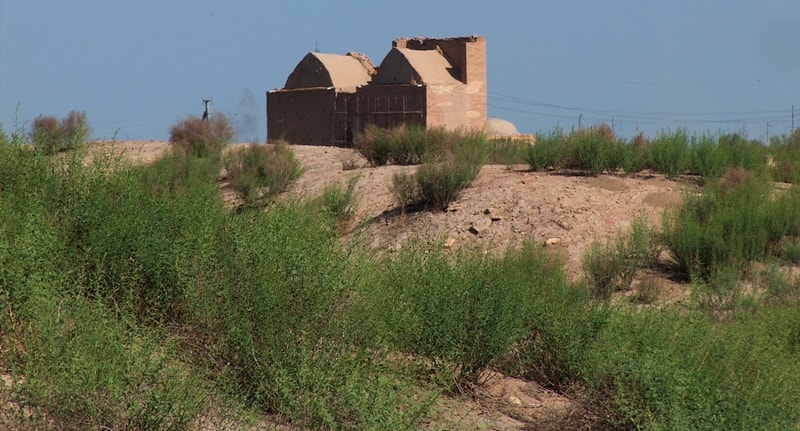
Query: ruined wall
x,y
457,106
448,106
304,116
390,105
476,84
322,116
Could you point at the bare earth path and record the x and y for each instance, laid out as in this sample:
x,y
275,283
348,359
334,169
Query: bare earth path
x,y
502,208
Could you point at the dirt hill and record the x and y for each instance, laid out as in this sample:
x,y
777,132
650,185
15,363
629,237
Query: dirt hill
x,y
502,208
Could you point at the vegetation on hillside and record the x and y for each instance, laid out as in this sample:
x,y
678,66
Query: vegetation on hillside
x,y
131,297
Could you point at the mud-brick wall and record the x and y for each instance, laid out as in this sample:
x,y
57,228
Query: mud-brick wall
x,y
389,106
457,106
301,117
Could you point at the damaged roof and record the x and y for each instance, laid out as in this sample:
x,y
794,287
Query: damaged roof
x,y
331,70
403,66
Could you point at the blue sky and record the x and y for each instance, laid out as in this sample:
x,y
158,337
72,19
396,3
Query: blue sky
x,y
136,68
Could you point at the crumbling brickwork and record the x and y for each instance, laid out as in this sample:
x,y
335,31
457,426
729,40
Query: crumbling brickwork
x,y
426,81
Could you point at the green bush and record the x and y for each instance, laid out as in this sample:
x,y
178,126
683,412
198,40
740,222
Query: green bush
x,y
593,150
285,330
612,266
737,219
76,366
202,138
52,136
508,151
667,370
452,164
742,152
374,145
341,201
669,153
707,159
784,157
404,145
548,151
633,154
440,183
412,144
405,189
462,315
131,297
261,172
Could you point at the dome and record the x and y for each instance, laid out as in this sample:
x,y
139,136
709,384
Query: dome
x,y
498,127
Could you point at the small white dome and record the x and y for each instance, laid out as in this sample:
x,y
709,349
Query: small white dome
x,y
496,127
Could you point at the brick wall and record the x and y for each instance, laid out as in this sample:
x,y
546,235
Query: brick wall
x,y
303,116
320,116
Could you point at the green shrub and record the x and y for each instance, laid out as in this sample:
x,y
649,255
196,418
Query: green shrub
x,y
440,183
412,144
202,138
341,201
707,159
784,157
792,252
736,220
508,151
633,154
404,145
453,163
548,152
612,266
75,366
374,145
667,370
461,315
742,152
286,332
593,150
405,189
260,172
564,323
669,153
52,136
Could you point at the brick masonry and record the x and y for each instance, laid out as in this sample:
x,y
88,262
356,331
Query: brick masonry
x,y
332,116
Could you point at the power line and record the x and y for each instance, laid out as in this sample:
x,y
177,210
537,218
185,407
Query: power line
x,y
519,100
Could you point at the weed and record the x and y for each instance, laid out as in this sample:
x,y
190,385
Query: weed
x,y
441,183
662,370
634,154
593,149
351,164
76,366
791,252
52,136
341,201
405,145
202,138
405,189
779,287
508,151
669,152
461,315
612,266
548,151
736,220
260,172
648,291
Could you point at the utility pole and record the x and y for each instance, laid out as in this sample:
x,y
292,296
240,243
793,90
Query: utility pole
x,y
206,111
